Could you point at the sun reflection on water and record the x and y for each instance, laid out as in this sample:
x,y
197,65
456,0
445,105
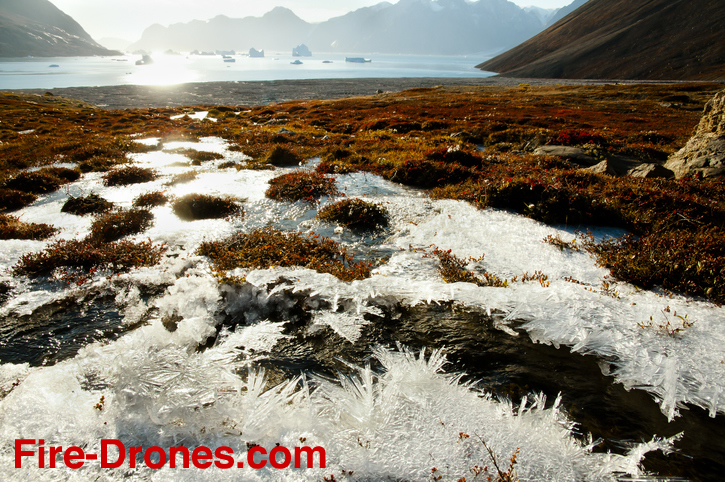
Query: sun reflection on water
x,y
166,70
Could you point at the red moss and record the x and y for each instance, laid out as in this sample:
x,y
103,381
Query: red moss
x,y
80,254
267,247
355,214
301,186
12,228
11,199
203,206
129,175
115,225
151,199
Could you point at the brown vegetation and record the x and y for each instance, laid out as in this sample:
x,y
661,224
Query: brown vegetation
x,y
268,247
151,199
469,143
308,186
12,228
129,175
91,204
355,214
203,206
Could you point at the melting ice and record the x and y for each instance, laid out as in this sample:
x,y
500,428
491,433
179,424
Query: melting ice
x,y
396,420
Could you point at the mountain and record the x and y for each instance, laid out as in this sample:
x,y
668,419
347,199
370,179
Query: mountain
x,y
622,39
564,11
544,14
441,27
40,29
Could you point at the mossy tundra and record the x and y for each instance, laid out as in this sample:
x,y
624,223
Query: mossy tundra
x,y
470,143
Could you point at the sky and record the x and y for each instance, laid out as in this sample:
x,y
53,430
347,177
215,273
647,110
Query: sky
x,y
127,19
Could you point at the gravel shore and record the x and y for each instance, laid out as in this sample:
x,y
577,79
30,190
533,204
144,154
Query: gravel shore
x,y
266,92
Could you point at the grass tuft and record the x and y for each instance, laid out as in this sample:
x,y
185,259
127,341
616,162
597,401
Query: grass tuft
x,y
356,214
91,204
12,228
12,199
151,199
115,225
301,186
267,247
129,175
281,157
66,255
203,206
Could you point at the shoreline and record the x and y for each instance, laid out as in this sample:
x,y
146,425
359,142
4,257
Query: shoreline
x,y
256,93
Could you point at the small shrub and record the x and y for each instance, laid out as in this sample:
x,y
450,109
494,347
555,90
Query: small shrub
x,y
91,204
267,247
453,270
227,165
573,137
204,206
151,199
182,178
12,199
197,157
113,226
355,214
99,164
454,154
427,174
301,186
281,156
81,254
41,181
129,175
63,173
12,228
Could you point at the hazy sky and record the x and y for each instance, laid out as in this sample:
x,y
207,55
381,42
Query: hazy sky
x,y
128,18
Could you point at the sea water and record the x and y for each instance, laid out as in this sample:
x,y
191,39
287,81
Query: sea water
x,y
59,72
222,376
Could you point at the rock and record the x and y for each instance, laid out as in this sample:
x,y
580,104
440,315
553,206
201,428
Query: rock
x,y
602,168
704,153
650,170
286,132
574,154
627,166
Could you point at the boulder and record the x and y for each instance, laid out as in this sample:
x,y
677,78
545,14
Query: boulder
x,y
704,153
602,168
651,170
574,154
627,166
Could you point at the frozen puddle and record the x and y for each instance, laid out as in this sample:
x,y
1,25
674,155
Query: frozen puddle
x,y
182,361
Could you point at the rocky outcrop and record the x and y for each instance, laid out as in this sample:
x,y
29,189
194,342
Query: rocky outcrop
x,y
613,165
704,153
574,154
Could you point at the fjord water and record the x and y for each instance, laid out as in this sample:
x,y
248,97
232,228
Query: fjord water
x,y
387,373
37,73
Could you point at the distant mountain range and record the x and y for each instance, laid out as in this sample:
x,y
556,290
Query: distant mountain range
x,y
38,28
625,39
443,27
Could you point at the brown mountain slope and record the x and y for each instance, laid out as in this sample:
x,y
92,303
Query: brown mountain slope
x,y
625,39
